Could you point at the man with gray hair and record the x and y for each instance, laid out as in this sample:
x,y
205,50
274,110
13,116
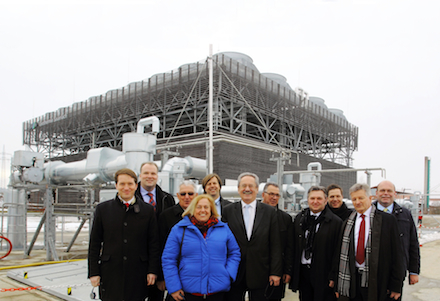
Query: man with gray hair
x,y
371,259
171,216
255,227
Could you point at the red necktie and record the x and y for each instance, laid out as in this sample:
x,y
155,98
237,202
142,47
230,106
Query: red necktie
x,y
360,254
127,205
152,202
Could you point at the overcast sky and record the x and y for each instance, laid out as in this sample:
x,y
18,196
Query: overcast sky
x,y
378,61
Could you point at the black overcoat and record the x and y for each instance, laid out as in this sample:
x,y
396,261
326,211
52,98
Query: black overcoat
x,y
386,266
324,257
130,249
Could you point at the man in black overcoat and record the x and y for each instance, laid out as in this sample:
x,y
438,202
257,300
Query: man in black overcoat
x,y
372,270
385,195
123,255
316,234
271,195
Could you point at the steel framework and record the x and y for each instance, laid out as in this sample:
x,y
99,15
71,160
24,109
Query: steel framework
x,y
246,103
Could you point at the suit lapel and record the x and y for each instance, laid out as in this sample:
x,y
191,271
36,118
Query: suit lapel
x,y
259,214
239,218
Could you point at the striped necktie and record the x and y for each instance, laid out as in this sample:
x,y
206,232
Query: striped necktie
x,y
152,201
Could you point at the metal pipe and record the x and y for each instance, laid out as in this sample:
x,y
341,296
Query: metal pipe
x,y
210,125
152,120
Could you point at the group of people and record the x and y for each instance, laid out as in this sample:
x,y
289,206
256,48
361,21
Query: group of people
x,y
207,248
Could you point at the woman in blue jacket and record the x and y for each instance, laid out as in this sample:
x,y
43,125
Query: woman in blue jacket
x,y
201,255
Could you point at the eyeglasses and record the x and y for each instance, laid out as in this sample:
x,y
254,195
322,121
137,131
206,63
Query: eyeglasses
x,y
186,193
271,194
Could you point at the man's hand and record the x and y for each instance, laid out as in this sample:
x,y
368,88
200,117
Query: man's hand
x,y
95,280
151,279
161,285
274,280
394,295
337,295
286,278
179,295
331,284
413,279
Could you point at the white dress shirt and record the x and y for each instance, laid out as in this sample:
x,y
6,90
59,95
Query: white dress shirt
x,y
251,211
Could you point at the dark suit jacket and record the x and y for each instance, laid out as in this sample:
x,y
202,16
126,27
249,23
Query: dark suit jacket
x,y
261,256
285,224
342,212
167,220
123,249
408,238
224,203
324,250
164,200
386,260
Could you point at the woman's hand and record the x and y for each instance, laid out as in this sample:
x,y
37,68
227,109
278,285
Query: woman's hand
x,y
179,295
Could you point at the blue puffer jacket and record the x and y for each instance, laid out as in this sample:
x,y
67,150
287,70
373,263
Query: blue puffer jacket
x,y
207,265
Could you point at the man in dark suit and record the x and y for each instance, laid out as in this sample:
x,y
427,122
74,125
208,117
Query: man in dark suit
x,y
336,202
123,253
255,226
171,216
212,185
385,195
371,260
150,192
316,235
271,195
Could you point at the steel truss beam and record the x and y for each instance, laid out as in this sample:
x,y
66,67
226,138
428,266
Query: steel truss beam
x,y
246,104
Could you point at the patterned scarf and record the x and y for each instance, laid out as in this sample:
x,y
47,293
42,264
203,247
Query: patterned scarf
x,y
204,226
344,275
308,225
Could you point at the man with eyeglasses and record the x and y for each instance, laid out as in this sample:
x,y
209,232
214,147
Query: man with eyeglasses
x,y
171,216
271,196
255,227
316,238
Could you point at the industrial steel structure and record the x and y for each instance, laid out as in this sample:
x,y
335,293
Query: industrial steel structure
x,y
247,104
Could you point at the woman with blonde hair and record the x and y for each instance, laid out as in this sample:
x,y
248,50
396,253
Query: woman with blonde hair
x,y
201,255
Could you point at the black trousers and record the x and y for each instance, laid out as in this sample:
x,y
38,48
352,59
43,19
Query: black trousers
x,y
238,291
361,292
307,287
155,294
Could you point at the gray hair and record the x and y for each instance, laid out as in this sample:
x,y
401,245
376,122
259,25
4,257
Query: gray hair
x,y
270,184
246,174
360,186
188,183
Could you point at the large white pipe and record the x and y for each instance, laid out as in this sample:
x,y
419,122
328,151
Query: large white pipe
x,y
194,167
153,120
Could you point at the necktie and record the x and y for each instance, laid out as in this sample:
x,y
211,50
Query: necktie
x,y
385,209
360,254
152,202
246,218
